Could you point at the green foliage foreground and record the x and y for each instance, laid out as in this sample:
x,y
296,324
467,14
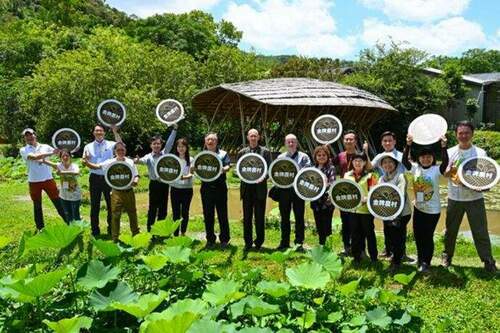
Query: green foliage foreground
x,y
157,283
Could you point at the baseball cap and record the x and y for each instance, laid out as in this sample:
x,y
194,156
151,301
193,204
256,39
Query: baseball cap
x,y
28,130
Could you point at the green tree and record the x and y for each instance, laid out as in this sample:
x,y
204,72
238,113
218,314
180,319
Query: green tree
x,y
67,88
324,68
395,74
195,32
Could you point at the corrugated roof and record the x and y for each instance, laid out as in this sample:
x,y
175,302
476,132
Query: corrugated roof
x,y
479,78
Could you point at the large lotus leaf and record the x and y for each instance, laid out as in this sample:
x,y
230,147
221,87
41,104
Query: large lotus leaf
x,y
177,324
108,248
4,241
255,330
121,293
143,306
357,321
155,262
139,241
405,319
308,275
210,326
350,287
39,285
56,236
379,317
222,291
69,325
98,275
329,260
165,228
183,241
252,305
177,254
273,288
404,279
280,257
307,319
177,318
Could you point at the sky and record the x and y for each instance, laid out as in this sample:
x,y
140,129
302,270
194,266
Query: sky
x,y
341,28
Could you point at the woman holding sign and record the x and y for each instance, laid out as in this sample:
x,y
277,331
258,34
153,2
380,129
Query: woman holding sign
x,y
123,198
427,207
323,207
182,189
361,220
396,228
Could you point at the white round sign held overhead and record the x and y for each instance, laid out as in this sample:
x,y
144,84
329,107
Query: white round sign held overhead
x,y
326,129
170,111
111,112
428,128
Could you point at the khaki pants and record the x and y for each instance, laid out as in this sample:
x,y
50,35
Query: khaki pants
x,y
476,214
123,201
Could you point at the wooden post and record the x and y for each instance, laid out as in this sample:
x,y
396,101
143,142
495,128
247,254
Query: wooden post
x,y
242,121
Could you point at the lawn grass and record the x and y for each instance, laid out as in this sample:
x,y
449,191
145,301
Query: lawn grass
x,y
464,298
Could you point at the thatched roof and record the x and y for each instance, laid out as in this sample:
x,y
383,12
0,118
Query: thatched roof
x,y
287,105
286,92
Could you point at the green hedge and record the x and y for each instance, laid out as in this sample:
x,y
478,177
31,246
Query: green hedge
x,y
488,140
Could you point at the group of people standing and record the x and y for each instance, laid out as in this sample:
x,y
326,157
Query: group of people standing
x,y
358,230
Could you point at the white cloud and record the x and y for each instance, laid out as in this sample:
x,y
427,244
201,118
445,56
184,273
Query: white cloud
x,y
448,36
148,8
275,26
418,10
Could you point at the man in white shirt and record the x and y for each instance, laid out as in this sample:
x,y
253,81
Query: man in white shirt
x,y
40,176
464,200
289,200
97,152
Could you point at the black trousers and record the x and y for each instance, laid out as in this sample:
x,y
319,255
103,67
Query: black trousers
x,y
158,202
363,229
288,201
323,219
181,200
253,206
346,230
98,187
396,232
424,226
212,199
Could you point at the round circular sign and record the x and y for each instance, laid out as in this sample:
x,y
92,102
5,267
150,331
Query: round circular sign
x,y
385,201
168,168
119,175
66,139
170,111
111,112
346,194
428,128
251,168
207,166
479,173
310,184
282,172
326,129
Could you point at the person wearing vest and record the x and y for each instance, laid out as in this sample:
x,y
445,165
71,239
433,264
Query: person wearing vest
x,y
289,200
158,190
363,228
97,152
214,196
463,200
121,200
254,196
40,176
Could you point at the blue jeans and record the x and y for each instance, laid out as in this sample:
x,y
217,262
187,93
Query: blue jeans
x,y
71,209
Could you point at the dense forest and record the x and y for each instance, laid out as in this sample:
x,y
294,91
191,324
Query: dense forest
x,y
60,58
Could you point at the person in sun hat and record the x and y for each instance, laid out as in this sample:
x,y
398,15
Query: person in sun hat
x,y
40,176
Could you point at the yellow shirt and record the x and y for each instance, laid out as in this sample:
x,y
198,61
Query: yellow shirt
x,y
366,182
